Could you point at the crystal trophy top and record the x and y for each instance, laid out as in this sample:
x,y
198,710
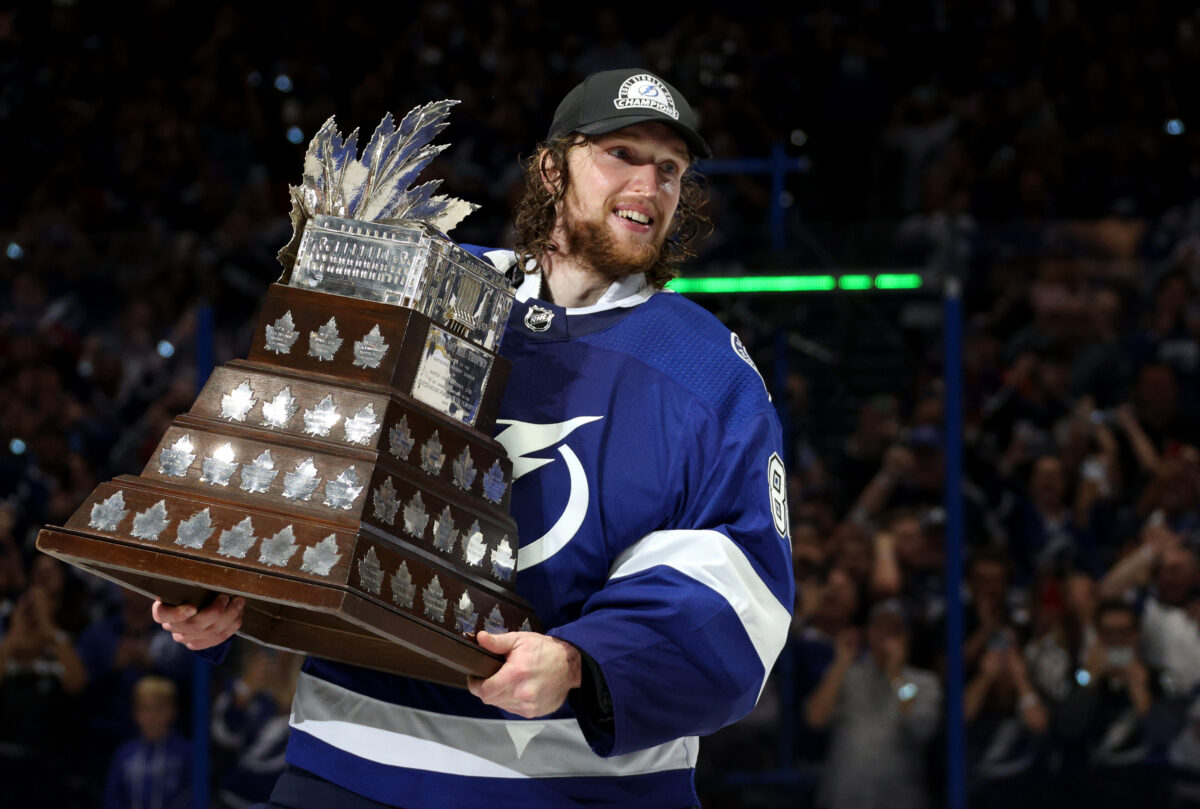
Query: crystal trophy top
x,y
361,232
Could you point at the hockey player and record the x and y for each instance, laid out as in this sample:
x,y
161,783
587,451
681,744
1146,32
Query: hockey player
x,y
650,497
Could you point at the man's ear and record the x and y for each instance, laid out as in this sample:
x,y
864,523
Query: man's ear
x,y
550,170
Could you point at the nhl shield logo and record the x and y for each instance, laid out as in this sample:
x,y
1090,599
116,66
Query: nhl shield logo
x,y
538,318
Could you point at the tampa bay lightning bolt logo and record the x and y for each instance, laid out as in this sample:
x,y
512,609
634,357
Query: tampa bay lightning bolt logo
x,y
521,439
647,92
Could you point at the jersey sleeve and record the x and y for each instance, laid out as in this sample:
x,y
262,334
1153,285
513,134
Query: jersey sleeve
x,y
693,616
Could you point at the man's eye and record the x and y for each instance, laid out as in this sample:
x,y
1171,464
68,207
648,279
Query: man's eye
x,y
619,151
669,168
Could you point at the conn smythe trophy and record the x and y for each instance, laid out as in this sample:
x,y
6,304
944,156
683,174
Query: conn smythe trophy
x,y
342,478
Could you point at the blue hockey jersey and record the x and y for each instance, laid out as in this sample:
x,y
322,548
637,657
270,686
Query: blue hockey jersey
x,y
651,504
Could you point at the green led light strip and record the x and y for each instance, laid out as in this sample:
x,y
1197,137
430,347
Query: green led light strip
x,y
795,283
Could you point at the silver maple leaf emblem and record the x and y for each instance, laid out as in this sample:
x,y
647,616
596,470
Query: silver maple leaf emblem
x,y
465,616
474,548
194,531
341,492
370,574
151,522
279,548
279,411
415,518
237,404
300,483
282,335
385,502
444,535
320,558
403,589
432,456
435,601
106,516
324,342
494,623
235,542
218,468
320,419
464,471
176,459
503,562
362,426
494,486
400,439
369,351
257,476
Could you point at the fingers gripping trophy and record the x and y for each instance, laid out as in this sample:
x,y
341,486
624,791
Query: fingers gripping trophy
x,y
342,479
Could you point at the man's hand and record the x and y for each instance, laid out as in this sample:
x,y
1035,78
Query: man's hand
x,y
209,627
536,676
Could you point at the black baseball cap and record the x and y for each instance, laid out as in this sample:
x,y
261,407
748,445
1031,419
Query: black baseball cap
x,y
611,99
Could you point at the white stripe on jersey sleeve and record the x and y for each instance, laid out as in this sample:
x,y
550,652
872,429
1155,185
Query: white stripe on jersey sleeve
x,y
715,561
399,736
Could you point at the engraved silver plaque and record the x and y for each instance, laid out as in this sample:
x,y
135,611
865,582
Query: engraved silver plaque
x,y
362,426
435,601
151,522
194,531
385,503
403,589
415,518
494,623
176,459
279,411
324,342
278,549
525,627
320,419
217,469
106,516
258,475
494,486
238,403
474,548
236,542
320,558
465,616
451,375
400,439
282,335
503,562
369,351
432,457
300,483
444,535
341,493
370,574
464,470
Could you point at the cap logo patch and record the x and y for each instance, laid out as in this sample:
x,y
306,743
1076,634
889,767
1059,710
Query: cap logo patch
x,y
645,91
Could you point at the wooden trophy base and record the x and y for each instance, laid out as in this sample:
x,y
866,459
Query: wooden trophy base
x,y
282,611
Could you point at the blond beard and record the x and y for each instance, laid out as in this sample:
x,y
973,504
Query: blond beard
x,y
594,245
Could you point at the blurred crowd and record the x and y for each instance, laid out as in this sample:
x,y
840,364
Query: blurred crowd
x,y
1044,151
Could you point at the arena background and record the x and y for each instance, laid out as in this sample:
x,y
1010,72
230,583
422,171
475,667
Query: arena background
x,y
1039,158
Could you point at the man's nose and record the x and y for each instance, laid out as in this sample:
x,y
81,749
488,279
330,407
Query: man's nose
x,y
644,179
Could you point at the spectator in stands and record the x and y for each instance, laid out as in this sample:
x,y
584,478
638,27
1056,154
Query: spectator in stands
x,y
1007,729
1162,574
41,678
250,726
153,770
882,714
1108,723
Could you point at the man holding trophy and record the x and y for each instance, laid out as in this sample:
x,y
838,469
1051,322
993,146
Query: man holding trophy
x,y
649,495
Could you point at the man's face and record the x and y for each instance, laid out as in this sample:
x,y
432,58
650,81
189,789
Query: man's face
x,y
623,192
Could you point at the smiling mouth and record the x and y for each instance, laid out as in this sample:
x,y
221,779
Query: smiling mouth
x,y
635,216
